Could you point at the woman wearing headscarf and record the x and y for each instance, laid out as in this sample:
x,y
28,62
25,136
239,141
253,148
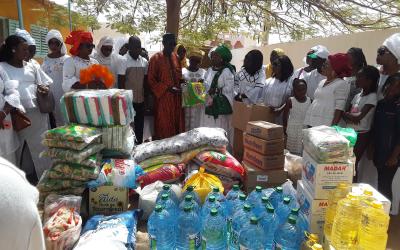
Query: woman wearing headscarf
x,y
81,47
105,56
180,50
275,53
53,65
389,57
331,94
12,59
219,85
357,62
250,80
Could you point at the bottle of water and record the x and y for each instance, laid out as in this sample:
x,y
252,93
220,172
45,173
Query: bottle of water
x,y
168,205
259,207
210,204
255,196
238,203
214,232
231,197
218,196
287,236
190,191
252,236
188,230
269,223
160,227
189,201
167,190
276,197
302,222
240,220
283,210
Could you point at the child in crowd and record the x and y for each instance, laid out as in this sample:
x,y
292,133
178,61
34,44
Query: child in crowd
x,y
361,113
386,135
294,114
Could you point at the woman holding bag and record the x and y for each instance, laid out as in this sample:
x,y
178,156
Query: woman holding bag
x,y
219,84
12,55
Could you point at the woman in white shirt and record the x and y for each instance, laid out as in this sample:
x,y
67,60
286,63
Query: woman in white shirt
x,y
53,65
82,47
250,80
331,94
13,53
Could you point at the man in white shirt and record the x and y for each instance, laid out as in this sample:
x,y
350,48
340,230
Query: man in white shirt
x,y
135,78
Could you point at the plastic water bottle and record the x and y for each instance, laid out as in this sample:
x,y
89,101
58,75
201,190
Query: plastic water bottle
x,y
269,223
252,236
240,220
259,207
218,196
238,203
167,190
210,204
276,197
188,230
268,191
214,232
287,236
168,205
189,201
190,191
283,210
302,222
255,196
160,226
231,197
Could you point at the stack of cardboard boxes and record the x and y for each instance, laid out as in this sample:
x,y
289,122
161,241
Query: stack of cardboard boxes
x,y
263,157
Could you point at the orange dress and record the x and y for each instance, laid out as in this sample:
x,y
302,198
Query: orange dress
x,y
164,73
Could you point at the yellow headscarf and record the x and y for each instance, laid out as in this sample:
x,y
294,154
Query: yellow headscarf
x,y
183,61
268,68
196,53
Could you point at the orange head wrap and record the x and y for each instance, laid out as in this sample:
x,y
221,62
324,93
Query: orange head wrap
x,y
76,38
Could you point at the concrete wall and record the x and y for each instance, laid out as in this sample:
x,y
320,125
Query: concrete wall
x,y
369,41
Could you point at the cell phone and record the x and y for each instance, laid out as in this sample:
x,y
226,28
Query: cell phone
x,y
7,125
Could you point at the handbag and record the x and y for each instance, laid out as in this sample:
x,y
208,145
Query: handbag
x,y
220,104
19,120
45,100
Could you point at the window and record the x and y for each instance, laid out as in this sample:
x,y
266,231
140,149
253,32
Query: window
x,y
12,26
39,34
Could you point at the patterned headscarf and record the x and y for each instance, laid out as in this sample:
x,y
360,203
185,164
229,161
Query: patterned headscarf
x,y
57,35
76,38
195,53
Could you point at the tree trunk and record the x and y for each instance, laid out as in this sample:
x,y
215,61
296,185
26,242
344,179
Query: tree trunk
x,y
267,24
173,11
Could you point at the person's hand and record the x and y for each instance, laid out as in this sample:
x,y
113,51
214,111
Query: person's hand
x,y
175,90
392,161
43,89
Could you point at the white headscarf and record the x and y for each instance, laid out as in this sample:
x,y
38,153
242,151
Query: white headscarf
x,y
104,41
25,35
57,35
393,45
118,43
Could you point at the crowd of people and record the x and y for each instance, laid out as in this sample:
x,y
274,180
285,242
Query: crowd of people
x,y
331,89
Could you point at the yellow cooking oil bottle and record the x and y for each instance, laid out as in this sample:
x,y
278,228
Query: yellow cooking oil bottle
x,y
317,246
372,233
335,195
346,223
310,240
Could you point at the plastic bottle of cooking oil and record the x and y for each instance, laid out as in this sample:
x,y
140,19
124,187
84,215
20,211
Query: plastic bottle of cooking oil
x,y
316,246
311,239
367,198
346,223
372,234
335,195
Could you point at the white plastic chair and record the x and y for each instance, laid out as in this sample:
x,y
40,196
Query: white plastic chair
x,y
396,193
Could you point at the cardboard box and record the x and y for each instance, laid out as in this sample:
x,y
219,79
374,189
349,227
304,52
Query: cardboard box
x,y
272,147
265,130
238,144
265,162
323,177
264,178
313,209
108,200
243,113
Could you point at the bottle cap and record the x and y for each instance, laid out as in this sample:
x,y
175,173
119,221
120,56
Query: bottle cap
x,y
368,192
312,237
216,189
292,220
253,220
235,187
190,188
286,200
352,195
164,197
264,200
270,209
188,197
377,204
158,208
258,189
295,211
187,208
242,197
246,207
279,189
214,211
166,187
317,246
211,198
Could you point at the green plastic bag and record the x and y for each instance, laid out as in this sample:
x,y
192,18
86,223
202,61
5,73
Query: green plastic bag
x,y
349,133
193,94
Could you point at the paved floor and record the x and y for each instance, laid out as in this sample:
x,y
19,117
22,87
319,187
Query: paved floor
x,y
394,233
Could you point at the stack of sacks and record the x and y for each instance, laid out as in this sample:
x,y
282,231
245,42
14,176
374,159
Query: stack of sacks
x,y
75,153
327,161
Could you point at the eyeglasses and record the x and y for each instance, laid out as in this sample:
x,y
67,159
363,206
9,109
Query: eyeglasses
x,y
382,50
87,45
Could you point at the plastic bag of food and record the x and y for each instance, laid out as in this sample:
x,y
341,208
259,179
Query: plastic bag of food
x,y
118,139
68,191
203,183
226,161
73,171
191,154
161,159
73,132
47,184
119,173
63,229
349,133
70,155
54,202
56,143
167,173
193,93
294,166
93,161
113,232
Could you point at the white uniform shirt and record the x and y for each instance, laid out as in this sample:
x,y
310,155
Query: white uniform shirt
x,y
72,70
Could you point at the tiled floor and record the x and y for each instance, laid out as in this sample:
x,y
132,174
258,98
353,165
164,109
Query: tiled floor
x,y
394,233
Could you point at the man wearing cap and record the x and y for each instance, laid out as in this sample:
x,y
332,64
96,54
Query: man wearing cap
x,y
164,79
